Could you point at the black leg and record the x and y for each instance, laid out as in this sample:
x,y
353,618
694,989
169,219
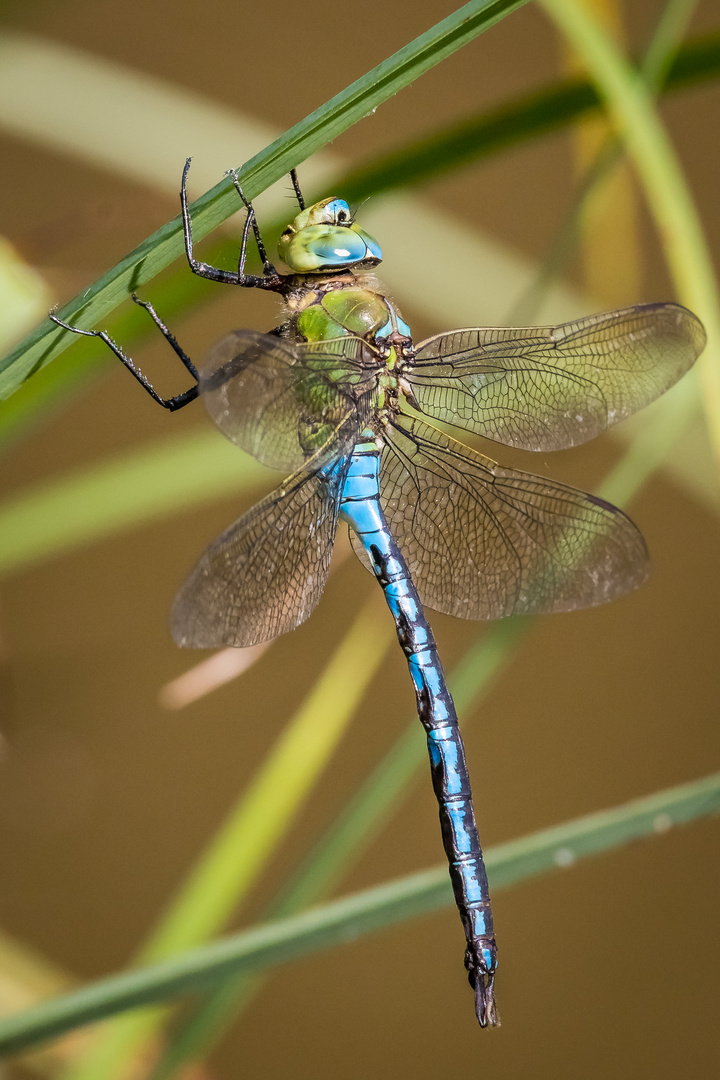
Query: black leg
x,y
268,267
296,185
173,403
170,338
249,220
273,281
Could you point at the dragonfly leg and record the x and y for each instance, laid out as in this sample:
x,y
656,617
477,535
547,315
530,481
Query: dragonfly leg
x,y
272,280
169,337
171,404
268,268
296,185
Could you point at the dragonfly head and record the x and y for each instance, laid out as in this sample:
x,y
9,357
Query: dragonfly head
x,y
325,237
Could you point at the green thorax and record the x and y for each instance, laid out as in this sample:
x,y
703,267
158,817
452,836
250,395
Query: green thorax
x,y
322,314
323,310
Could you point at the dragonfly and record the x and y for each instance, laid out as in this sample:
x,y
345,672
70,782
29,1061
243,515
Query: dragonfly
x,y
337,397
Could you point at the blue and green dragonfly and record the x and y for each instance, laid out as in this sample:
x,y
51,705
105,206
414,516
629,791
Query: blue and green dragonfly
x,y
335,396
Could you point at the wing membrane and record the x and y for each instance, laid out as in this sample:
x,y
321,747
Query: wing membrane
x,y
547,388
281,400
265,575
482,542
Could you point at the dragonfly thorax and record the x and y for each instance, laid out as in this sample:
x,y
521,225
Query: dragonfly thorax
x,y
353,305
337,306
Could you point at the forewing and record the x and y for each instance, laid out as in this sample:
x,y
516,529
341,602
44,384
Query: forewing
x,y
282,400
547,388
482,542
265,574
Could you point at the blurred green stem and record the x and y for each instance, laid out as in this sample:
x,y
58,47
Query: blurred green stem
x,y
655,68
359,914
630,104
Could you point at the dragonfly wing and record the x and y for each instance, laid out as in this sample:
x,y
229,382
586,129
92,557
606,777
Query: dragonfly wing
x,y
482,542
281,400
547,388
265,575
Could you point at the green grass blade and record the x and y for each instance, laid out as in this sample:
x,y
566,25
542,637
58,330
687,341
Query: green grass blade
x,y
630,104
361,913
662,50
302,140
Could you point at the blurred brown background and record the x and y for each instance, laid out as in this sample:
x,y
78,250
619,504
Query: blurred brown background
x,y
609,968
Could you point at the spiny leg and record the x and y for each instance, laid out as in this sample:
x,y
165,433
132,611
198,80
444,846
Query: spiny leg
x,y
169,337
268,267
296,185
273,281
173,403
